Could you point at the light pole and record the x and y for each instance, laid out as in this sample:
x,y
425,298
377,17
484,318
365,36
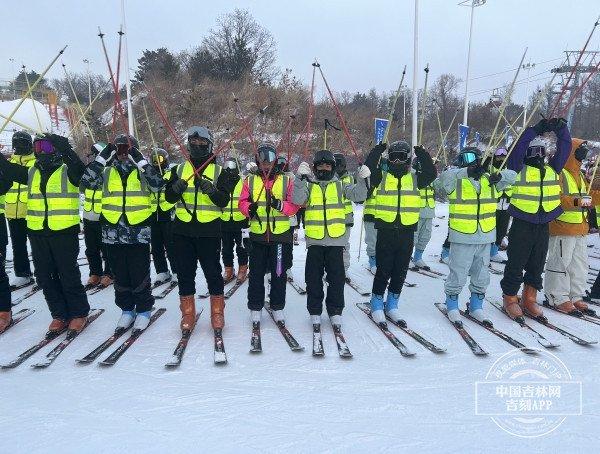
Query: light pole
x,y
86,61
472,4
528,67
415,76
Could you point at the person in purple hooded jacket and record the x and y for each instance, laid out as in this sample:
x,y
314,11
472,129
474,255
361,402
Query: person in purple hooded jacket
x,y
534,203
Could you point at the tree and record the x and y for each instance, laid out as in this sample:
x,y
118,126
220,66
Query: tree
x,y
20,82
238,47
82,86
159,63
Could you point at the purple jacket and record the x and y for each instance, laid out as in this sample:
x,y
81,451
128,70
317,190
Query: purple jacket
x,y
557,162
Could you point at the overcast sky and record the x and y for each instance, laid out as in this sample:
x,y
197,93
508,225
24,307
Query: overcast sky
x,y
360,44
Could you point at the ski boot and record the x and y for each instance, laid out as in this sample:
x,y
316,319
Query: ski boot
x,y
21,281
142,320
106,280
512,307
93,281
126,320
5,320
584,308
279,316
56,325
77,323
372,264
391,308
163,277
569,308
187,306
445,256
452,309
475,308
217,311
228,274
495,255
336,321
377,307
255,316
418,259
529,302
242,273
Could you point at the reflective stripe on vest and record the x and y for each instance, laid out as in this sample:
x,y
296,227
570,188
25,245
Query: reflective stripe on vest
x,y
325,209
469,210
232,211
427,197
133,201
370,204
529,192
278,222
15,201
59,206
391,201
192,201
575,215
92,201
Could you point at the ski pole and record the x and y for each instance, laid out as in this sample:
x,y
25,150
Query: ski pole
x,y
22,125
325,136
448,131
393,108
151,135
37,117
78,104
88,109
423,104
30,89
311,107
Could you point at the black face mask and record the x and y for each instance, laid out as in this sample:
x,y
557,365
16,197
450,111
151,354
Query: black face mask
x,y
22,148
324,175
497,163
398,169
536,161
48,161
581,153
199,151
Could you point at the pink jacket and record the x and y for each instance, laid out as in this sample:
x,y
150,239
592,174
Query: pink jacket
x,y
289,209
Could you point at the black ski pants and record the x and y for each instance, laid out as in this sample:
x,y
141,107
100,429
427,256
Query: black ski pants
x,y
328,259
95,249
5,297
231,240
393,249
527,250
18,240
268,258
57,273
162,242
188,252
502,221
131,269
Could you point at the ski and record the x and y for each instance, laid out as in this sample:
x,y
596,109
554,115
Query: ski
x,y
91,357
317,349
495,270
406,283
342,347
255,342
18,317
98,288
526,328
14,288
416,336
49,337
291,341
301,290
230,291
590,316
403,349
175,360
220,357
26,295
361,291
111,359
70,337
472,343
578,340
505,337
160,283
424,272
429,270
168,289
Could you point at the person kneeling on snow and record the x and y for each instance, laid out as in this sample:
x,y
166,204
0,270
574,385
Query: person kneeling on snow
x,y
325,230
397,207
472,229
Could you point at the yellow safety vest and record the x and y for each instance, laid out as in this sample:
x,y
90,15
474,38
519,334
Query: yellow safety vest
x,y
278,222
59,206
232,211
325,210
530,192
133,200
370,204
427,197
347,202
398,198
469,210
92,201
575,215
159,200
16,197
196,202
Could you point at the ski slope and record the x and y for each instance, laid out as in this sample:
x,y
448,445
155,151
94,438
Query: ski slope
x,y
281,401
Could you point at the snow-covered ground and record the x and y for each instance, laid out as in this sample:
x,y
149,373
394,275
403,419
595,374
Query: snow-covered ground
x,y
281,401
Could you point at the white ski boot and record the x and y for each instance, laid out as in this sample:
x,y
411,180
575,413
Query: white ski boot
x,y
142,320
126,319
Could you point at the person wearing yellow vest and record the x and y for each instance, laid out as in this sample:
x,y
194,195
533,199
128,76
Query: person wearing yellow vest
x,y
425,224
53,227
16,210
161,225
534,203
472,194
266,200
324,196
199,202
95,250
397,207
233,226
502,216
567,265
347,179
5,296
127,181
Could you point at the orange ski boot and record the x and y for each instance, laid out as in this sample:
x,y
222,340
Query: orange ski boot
x,y
187,305
217,311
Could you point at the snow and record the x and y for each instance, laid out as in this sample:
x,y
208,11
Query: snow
x,y
281,401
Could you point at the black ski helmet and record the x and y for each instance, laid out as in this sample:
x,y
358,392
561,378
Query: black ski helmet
x,y
200,151
468,156
324,157
340,164
399,151
266,153
22,142
126,139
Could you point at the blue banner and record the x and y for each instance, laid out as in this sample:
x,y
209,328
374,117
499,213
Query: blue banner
x,y
463,134
380,126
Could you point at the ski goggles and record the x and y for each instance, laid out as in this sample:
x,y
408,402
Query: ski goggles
x,y
501,152
536,152
230,165
469,157
267,154
157,159
398,156
43,146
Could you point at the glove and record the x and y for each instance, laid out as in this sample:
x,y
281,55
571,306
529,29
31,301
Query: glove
x,y
556,124
475,172
251,167
541,127
304,170
61,144
363,172
420,152
137,158
494,178
206,186
379,148
252,209
584,201
276,203
179,186
106,154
